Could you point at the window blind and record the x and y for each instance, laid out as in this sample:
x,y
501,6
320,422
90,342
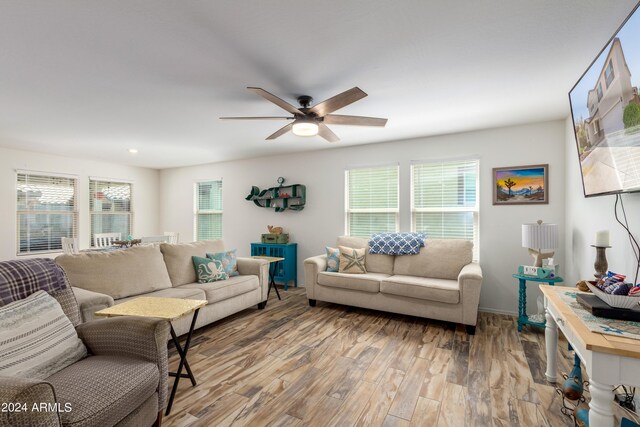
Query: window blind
x,y
372,200
110,207
445,200
208,218
46,212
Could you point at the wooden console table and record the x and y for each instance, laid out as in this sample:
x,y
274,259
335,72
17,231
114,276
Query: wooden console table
x,y
610,360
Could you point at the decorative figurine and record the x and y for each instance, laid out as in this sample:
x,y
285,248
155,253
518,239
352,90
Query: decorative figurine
x,y
274,230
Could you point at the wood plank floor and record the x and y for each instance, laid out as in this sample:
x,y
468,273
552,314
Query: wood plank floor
x,y
334,365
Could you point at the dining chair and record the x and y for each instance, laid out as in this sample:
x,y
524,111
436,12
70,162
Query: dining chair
x,y
154,239
173,236
100,240
70,245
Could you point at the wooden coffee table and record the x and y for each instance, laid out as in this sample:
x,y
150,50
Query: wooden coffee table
x,y
169,309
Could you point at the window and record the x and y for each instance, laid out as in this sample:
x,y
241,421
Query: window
x,y
445,200
372,204
208,207
599,90
46,212
110,207
608,74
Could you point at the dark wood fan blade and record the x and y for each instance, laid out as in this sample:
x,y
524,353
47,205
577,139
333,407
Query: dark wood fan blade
x,y
327,133
280,131
335,119
256,118
272,98
337,102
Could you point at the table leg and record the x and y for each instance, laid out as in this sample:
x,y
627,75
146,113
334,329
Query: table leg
x,y
183,359
272,282
600,413
522,304
551,342
176,344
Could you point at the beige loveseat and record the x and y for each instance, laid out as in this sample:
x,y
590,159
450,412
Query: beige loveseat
x,y
101,279
440,283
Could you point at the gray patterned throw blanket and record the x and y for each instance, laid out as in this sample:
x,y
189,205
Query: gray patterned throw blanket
x,y
396,243
21,278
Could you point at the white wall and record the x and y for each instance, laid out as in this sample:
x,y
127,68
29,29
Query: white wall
x,y
585,216
145,192
323,174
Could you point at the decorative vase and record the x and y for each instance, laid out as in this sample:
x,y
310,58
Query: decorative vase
x,y
573,386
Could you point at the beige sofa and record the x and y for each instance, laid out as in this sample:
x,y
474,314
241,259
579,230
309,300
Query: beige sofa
x,y
440,283
101,279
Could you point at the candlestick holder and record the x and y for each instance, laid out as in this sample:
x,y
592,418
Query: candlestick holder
x,y
601,266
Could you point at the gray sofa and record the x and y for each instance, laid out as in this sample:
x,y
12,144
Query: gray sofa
x,y
101,279
440,283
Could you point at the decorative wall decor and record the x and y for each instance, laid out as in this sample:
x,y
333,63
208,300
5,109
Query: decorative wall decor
x,y
283,197
521,185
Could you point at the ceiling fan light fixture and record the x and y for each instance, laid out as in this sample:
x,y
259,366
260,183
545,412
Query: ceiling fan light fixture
x,y
305,127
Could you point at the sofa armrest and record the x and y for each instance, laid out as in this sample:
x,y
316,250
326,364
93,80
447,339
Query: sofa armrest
x,y
138,337
257,267
312,266
470,282
89,302
23,393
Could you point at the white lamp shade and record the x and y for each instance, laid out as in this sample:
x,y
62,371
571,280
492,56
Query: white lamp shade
x,y
304,127
540,236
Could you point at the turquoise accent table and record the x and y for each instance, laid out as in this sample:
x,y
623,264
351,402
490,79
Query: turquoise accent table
x,y
523,319
285,270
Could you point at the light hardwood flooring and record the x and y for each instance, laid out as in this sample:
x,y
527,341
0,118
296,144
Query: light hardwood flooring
x,y
334,365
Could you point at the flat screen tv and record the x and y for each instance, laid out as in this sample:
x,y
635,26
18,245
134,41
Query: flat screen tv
x,y
605,107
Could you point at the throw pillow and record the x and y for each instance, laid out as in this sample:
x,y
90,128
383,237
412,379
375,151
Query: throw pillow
x,y
36,338
352,260
229,261
208,270
333,259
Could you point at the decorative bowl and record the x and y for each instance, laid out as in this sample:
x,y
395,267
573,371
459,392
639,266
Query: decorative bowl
x,y
617,301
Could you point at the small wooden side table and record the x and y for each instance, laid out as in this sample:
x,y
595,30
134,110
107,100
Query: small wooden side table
x,y
169,309
273,267
523,318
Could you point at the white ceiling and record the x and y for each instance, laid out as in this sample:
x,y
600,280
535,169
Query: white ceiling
x,y
92,79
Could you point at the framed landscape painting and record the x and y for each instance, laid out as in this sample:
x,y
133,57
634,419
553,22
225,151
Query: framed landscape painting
x,y
521,185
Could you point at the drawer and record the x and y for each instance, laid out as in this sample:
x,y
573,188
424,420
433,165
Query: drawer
x,y
569,334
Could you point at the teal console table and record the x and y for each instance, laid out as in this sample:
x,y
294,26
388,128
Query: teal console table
x,y
285,270
523,319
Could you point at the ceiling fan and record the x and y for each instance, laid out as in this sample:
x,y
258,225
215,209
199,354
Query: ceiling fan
x,y
310,121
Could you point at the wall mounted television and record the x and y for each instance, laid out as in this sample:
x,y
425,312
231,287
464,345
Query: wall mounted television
x,y
605,107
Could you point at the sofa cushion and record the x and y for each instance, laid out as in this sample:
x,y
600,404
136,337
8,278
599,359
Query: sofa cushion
x,y
208,270
368,282
102,390
373,263
229,261
352,260
333,259
177,258
36,338
440,290
170,293
225,289
119,274
440,259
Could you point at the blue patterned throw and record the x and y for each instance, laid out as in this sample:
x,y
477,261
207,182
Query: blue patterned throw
x,y
21,278
396,243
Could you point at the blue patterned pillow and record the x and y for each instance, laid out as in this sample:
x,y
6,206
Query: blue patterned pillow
x,y
333,259
229,261
396,243
208,270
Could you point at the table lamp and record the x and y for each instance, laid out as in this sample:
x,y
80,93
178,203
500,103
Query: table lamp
x,y
537,237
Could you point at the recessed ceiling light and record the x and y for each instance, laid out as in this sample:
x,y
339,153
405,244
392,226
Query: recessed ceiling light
x,y
133,150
